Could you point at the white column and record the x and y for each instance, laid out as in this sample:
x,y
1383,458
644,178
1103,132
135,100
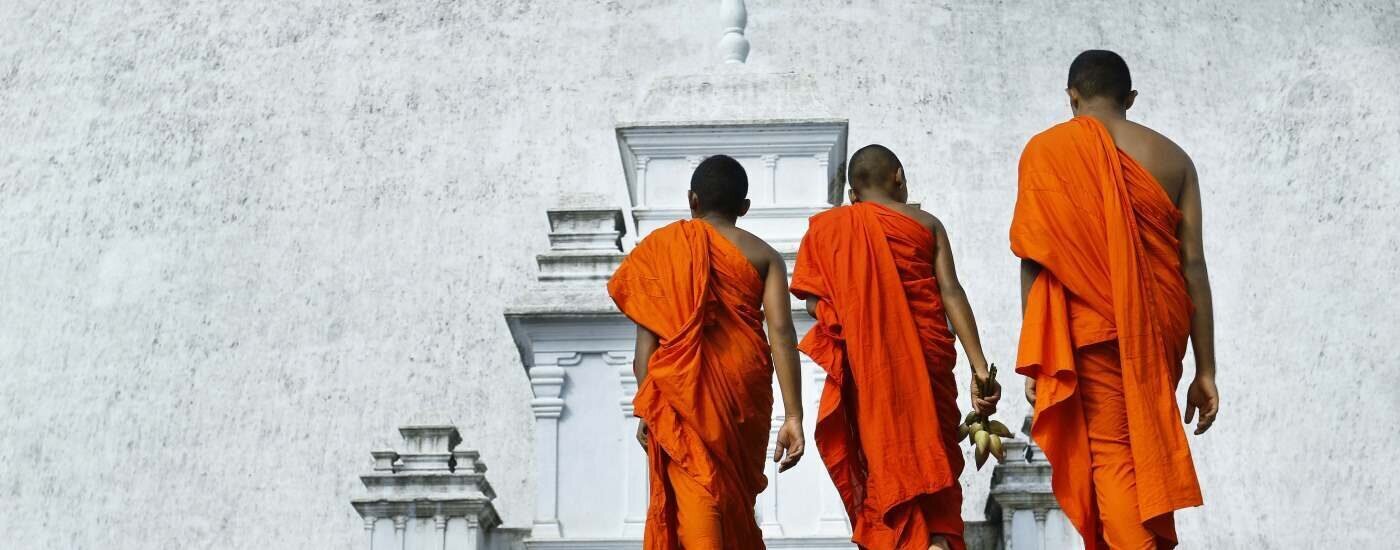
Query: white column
x,y
833,513
1007,515
768,499
401,531
733,18
642,180
439,532
547,381
634,487
823,161
770,176
369,530
1040,526
475,537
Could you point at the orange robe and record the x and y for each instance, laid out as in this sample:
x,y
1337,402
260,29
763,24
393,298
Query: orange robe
x,y
707,397
1104,332
887,425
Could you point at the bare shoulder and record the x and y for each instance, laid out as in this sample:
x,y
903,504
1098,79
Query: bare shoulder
x,y
915,213
1164,145
759,252
1161,156
924,218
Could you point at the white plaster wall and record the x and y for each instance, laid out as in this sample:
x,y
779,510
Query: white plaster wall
x,y
241,242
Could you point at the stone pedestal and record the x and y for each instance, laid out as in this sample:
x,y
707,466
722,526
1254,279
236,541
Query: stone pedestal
x,y
427,495
1022,501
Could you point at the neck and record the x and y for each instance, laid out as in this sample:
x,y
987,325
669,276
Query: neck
x,y
715,218
878,197
1102,110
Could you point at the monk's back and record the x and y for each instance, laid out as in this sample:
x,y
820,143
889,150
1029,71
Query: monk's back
x,y
1162,158
754,249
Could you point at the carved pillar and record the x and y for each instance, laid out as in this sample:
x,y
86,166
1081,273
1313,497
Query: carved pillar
x,y
1040,514
634,488
768,499
1007,515
475,537
733,17
401,531
547,381
770,176
833,513
642,181
369,530
439,532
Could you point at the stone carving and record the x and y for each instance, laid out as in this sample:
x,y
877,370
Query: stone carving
x,y
1022,500
434,494
733,17
791,164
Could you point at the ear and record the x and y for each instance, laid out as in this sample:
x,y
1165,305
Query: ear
x,y
899,180
855,197
694,201
1128,103
1073,100
744,208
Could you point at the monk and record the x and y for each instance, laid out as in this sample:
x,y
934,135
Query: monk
x,y
1113,282
699,291
878,277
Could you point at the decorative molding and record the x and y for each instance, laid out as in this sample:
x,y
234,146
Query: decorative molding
x,y
770,176
401,531
640,169
617,358
548,384
797,161
369,531
593,229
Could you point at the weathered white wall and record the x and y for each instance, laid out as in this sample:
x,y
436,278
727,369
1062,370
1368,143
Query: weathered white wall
x,y
241,242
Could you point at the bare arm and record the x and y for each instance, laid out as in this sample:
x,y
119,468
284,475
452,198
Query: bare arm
x,y
812,307
955,302
647,343
1029,271
1202,394
646,346
782,340
959,312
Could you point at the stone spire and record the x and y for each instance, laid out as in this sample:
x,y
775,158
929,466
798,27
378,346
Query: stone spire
x,y
733,17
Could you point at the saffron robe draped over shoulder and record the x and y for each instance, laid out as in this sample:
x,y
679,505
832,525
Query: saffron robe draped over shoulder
x,y
887,424
1104,232
707,398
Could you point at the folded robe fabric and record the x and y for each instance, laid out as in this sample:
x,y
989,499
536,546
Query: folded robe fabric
x,y
707,397
887,424
1104,232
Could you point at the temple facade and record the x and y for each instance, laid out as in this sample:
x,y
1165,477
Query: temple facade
x,y
331,274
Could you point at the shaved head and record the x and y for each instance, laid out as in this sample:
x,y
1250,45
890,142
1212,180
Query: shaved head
x,y
1101,73
872,165
720,185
